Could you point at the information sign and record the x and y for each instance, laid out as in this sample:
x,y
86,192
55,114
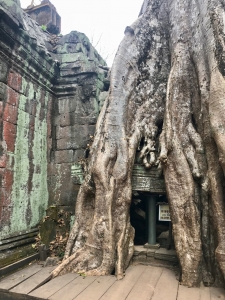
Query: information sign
x,y
164,212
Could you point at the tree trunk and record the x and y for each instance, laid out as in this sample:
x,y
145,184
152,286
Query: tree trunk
x,y
169,69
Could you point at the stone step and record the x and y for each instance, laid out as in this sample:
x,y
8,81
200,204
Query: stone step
x,y
154,256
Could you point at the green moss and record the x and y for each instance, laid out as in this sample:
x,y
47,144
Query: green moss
x,y
73,57
39,193
28,208
16,255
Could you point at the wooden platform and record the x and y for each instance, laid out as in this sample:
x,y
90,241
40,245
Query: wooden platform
x,y
140,283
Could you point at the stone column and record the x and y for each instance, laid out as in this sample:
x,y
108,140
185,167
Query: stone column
x,y
151,221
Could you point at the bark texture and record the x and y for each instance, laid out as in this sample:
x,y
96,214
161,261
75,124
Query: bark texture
x,y
169,69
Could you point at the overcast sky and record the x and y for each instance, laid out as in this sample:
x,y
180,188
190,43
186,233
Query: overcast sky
x,y
98,19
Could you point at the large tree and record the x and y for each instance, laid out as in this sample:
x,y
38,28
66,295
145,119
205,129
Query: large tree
x,y
168,73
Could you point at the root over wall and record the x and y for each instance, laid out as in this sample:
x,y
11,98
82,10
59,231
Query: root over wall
x,y
168,71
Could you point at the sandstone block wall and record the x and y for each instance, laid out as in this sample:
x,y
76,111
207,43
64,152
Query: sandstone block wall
x,y
82,79
50,93
25,121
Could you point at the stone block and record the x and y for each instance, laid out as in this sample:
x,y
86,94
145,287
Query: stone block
x,y
6,213
14,12
42,114
152,246
14,80
7,181
168,255
31,107
150,259
64,156
140,254
139,249
12,97
48,231
70,119
66,105
3,71
74,57
69,132
140,258
151,252
80,153
3,160
69,143
74,137
9,135
3,196
3,92
91,130
65,119
51,261
10,113
61,189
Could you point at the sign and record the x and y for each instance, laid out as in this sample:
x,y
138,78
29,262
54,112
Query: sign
x,y
164,212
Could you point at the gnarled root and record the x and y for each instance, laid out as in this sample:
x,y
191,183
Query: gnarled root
x,y
179,144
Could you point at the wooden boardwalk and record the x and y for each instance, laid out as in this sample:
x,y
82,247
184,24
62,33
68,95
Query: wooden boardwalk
x,y
140,283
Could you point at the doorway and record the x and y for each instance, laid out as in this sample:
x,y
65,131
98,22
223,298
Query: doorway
x,y
139,217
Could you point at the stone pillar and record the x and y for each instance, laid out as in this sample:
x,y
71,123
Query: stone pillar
x,y
151,221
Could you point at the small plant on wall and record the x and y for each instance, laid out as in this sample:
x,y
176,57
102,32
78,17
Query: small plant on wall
x,y
44,27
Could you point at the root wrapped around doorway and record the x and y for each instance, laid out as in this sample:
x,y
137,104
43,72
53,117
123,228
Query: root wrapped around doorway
x,y
166,74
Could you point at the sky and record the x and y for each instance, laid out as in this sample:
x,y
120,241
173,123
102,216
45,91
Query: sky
x,y
103,21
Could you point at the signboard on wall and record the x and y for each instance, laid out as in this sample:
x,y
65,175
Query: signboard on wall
x,y
164,212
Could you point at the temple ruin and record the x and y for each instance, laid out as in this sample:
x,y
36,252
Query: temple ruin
x,y
137,150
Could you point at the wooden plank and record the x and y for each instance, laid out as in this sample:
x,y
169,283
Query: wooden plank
x,y
166,287
5,295
13,280
144,287
95,290
53,286
217,293
74,288
121,288
205,293
34,281
185,293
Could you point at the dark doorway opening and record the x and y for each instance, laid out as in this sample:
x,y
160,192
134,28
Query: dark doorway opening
x,y
139,220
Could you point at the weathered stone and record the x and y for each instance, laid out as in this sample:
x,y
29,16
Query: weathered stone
x,y
9,135
78,154
14,80
69,143
48,231
12,97
43,117
3,94
67,105
76,131
46,15
10,113
3,71
12,9
62,191
65,156
51,261
52,212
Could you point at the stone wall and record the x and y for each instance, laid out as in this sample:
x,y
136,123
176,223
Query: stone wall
x,y
26,80
82,79
50,96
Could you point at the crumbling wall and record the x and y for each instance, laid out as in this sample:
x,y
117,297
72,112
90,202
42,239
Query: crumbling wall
x,y
26,80
83,77
50,96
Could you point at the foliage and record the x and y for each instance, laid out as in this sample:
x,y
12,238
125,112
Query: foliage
x,y
44,27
